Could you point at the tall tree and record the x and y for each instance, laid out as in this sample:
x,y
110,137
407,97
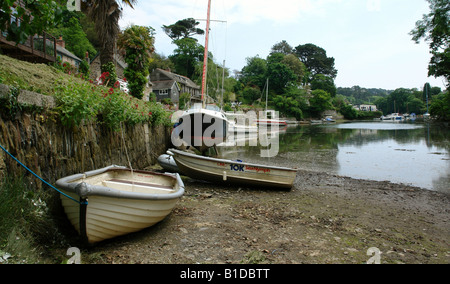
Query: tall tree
x,y
186,28
282,47
281,76
137,43
435,29
255,72
316,60
188,54
322,82
106,15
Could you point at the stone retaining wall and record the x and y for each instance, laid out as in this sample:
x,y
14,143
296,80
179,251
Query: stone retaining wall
x,y
53,151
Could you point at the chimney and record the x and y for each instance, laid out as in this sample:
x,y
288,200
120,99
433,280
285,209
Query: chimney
x,y
61,42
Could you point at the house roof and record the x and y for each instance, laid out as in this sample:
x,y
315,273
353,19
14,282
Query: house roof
x,y
62,50
178,78
163,85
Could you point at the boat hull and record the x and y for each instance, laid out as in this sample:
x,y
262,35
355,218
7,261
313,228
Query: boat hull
x,y
233,172
120,206
201,128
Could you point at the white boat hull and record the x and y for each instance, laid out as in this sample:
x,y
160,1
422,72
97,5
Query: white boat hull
x,y
201,128
119,206
233,172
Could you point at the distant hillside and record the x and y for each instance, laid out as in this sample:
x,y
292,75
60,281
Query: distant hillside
x,y
357,95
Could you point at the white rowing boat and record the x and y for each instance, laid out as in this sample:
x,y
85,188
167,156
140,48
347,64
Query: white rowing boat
x,y
234,172
119,201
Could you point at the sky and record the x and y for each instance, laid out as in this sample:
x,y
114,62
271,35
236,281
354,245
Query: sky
x,y
369,39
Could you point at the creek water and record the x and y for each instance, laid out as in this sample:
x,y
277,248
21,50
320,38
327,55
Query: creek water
x,y
416,154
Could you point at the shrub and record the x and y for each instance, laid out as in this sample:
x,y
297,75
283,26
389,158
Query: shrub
x,y
80,101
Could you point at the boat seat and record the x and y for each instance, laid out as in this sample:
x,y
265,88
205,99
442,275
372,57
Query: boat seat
x,y
139,186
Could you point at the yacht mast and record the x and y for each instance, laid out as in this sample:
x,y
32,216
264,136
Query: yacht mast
x,y
205,60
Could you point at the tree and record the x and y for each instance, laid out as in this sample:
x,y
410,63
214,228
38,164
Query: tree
x,y
322,82
296,66
35,17
255,72
186,57
282,47
292,103
320,102
74,37
106,15
316,60
183,29
435,29
440,107
161,61
137,43
280,74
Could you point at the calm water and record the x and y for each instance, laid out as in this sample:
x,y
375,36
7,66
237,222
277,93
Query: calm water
x,y
410,153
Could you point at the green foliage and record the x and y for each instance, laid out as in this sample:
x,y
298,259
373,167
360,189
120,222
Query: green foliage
x,y
110,69
279,73
255,72
289,75
440,107
26,220
75,38
293,103
316,60
9,104
250,94
183,29
137,42
320,101
322,82
188,54
348,111
435,29
35,17
357,95
184,100
85,102
77,102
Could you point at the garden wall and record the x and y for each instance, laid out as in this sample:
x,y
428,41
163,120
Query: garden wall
x,y
53,151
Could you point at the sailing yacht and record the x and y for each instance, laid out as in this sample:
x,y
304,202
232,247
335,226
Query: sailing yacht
x,y
203,126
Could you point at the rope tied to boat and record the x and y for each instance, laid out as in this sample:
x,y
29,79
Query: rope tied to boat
x,y
48,184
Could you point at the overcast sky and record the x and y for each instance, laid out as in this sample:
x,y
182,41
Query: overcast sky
x,y
369,39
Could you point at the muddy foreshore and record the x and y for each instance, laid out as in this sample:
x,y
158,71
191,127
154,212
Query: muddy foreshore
x,y
323,219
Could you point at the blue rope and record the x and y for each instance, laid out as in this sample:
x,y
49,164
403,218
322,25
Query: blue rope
x,y
83,203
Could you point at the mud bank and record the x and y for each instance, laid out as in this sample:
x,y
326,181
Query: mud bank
x,y
323,219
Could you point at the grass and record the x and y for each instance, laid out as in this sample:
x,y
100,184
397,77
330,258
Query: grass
x,y
39,78
26,222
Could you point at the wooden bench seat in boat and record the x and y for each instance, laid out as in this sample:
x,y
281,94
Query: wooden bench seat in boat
x,y
134,186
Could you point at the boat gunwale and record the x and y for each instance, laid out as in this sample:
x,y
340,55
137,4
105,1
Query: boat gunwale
x,y
84,190
230,161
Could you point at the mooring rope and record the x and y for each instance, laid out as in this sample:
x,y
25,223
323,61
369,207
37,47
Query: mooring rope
x,y
51,186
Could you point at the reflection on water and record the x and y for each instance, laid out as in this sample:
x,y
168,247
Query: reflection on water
x,y
415,154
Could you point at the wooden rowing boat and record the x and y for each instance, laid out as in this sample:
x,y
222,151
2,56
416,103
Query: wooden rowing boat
x,y
119,201
233,172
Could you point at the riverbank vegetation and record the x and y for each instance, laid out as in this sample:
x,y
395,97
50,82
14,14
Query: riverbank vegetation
x,y
78,99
